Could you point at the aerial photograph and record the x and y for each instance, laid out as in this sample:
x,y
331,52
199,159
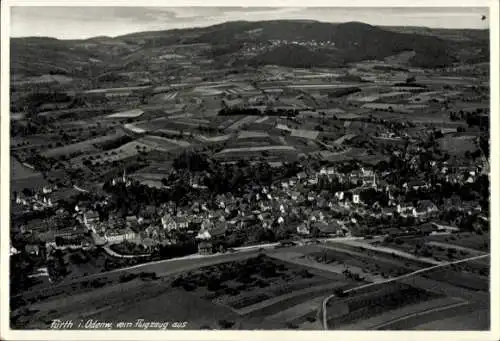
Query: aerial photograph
x,y
249,168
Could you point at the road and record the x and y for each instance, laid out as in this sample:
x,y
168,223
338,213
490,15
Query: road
x,y
408,275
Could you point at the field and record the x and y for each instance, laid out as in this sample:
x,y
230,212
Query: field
x,y
213,139
372,302
306,134
388,319
344,138
242,122
263,293
466,318
468,240
457,145
153,301
134,128
283,289
147,143
87,146
24,177
75,148
164,97
352,154
172,132
255,151
262,288
43,79
102,296
472,275
181,124
245,134
162,143
134,113
401,108
125,151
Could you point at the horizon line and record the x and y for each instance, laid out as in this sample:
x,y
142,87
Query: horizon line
x,y
249,21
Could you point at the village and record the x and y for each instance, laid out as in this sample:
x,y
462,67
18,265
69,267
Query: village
x,y
303,206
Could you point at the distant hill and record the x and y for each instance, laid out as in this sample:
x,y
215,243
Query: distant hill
x,y
294,56
443,33
352,42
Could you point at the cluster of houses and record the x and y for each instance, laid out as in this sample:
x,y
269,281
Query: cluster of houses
x,y
296,204
293,203
37,202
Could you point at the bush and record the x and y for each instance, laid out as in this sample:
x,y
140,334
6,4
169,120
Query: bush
x,y
189,286
340,293
213,284
225,324
311,319
127,277
262,284
232,291
97,283
306,274
148,275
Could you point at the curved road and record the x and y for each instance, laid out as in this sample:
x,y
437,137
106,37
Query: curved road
x,y
411,274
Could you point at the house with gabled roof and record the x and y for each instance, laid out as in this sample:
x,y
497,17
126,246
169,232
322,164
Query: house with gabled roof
x,y
426,208
168,223
303,229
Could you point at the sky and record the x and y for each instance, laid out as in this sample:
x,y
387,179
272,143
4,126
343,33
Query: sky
x,y
85,22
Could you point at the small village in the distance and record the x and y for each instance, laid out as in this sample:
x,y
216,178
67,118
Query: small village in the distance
x,y
241,177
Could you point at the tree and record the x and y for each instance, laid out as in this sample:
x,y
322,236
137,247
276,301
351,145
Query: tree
x,y
340,293
225,324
